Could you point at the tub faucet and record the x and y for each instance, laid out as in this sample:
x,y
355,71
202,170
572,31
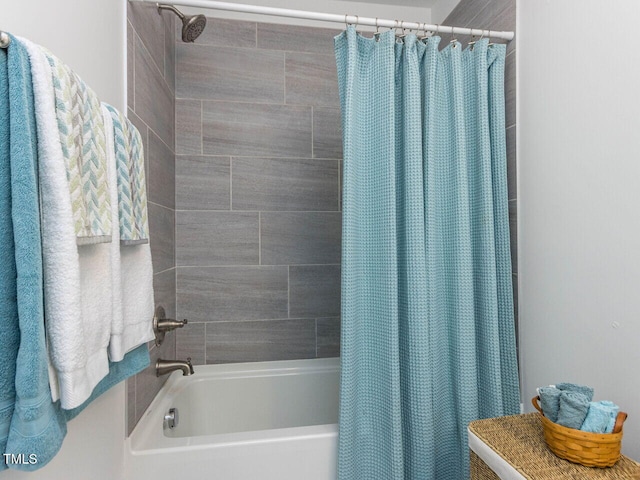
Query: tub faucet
x,y
167,366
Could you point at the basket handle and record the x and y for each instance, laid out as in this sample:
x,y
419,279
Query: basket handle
x,y
617,428
535,402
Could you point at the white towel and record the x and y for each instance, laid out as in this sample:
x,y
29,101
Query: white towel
x,y
132,274
77,281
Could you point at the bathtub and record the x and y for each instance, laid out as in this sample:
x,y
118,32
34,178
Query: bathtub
x,y
267,420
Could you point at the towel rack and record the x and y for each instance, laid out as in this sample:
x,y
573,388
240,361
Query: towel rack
x,y
5,39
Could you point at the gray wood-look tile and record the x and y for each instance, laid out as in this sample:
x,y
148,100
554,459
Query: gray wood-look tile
x,y
149,25
131,404
512,173
162,173
284,184
314,291
503,15
328,337
327,133
154,101
130,67
147,383
229,74
302,238
296,38
216,238
225,33
465,12
510,89
190,342
170,51
203,183
311,79
513,229
164,291
213,294
188,127
161,237
246,129
230,342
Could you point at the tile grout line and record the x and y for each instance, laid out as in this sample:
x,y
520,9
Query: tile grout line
x,y
316,334
313,153
260,239
204,356
201,127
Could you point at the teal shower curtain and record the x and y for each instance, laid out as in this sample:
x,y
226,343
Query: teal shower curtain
x,y
428,337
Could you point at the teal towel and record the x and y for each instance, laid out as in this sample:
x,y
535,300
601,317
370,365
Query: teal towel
x,y
601,417
37,425
573,387
573,409
9,333
550,402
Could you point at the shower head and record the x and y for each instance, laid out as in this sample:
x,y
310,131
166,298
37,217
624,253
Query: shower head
x,y
192,25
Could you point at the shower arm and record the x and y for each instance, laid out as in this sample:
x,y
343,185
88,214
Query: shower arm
x,y
164,6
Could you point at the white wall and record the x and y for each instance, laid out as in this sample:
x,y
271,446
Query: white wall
x,y
89,36
579,187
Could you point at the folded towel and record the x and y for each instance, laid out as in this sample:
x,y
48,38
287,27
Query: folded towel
x,y
77,280
133,362
550,402
572,387
573,409
613,414
131,183
601,417
132,273
37,425
81,129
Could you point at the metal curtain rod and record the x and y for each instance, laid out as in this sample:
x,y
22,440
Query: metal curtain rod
x,y
331,17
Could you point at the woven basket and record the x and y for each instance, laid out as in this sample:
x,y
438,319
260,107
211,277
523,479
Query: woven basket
x,y
585,448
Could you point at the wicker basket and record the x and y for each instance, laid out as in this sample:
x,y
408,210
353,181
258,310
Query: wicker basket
x,y
585,448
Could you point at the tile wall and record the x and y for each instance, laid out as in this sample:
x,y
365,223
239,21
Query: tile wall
x,y
151,102
258,222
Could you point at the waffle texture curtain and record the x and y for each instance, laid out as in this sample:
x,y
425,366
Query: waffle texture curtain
x,y
428,338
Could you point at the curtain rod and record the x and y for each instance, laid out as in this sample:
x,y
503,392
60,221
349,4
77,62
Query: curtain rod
x,y
331,17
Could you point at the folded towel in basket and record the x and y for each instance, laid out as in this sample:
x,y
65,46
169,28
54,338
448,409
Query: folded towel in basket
x,y
601,417
573,409
550,402
573,387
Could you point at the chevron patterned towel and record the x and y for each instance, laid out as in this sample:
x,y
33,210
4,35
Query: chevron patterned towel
x,y
82,135
132,192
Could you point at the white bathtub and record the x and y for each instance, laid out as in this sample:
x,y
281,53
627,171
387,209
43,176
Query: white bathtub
x,y
267,420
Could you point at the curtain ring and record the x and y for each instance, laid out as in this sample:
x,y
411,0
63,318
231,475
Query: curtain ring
x,y
491,44
454,40
376,35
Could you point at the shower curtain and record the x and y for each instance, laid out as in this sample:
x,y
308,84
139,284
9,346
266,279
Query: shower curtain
x,y
428,337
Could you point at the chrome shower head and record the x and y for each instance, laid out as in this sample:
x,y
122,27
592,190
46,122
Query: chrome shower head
x,y
192,25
